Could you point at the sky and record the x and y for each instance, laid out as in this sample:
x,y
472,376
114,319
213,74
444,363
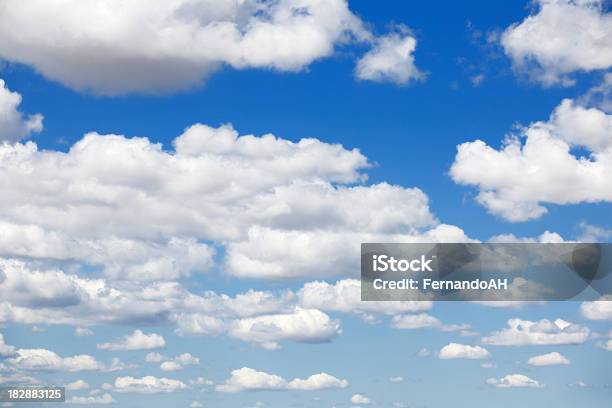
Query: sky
x,y
185,187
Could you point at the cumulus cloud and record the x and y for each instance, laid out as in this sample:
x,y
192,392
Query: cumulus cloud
x,y
456,350
147,385
360,399
135,341
14,126
54,297
77,385
173,364
83,332
514,381
304,325
597,310
424,321
275,205
562,37
113,47
47,360
391,59
103,399
516,181
248,379
553,358
6,350
543,332
345,296
605,345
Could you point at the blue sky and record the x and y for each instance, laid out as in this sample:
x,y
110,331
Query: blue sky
x,y
470,83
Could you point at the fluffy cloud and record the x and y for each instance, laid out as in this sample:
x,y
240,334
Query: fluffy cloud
x,y
360,399
103,399
424,321
77,385
606,345
304,325
345,296
135,341
248,379
54,297
391,59
456,350
6,350
317,382
113,47
280,254
514,381
276,206
47,360
564,36
598,310
543,332
147,385
553,358
173,364
515,181
83,332
14,125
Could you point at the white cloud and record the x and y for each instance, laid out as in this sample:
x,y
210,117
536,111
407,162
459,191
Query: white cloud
x,y
154,357
47,360
605,345
248,379
147,385
170,366
77,385
111,47
256,191
593,233
103,399
18,378
275,206
196,404
455,350
597,310
83,332
14,126
546,237
579,384
53,297
304,325
514,381
175,364
424,321
563,37
553,358
317,382
516,181
345,296
542,332
397,379
135,341
391,59
6,350
360,399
